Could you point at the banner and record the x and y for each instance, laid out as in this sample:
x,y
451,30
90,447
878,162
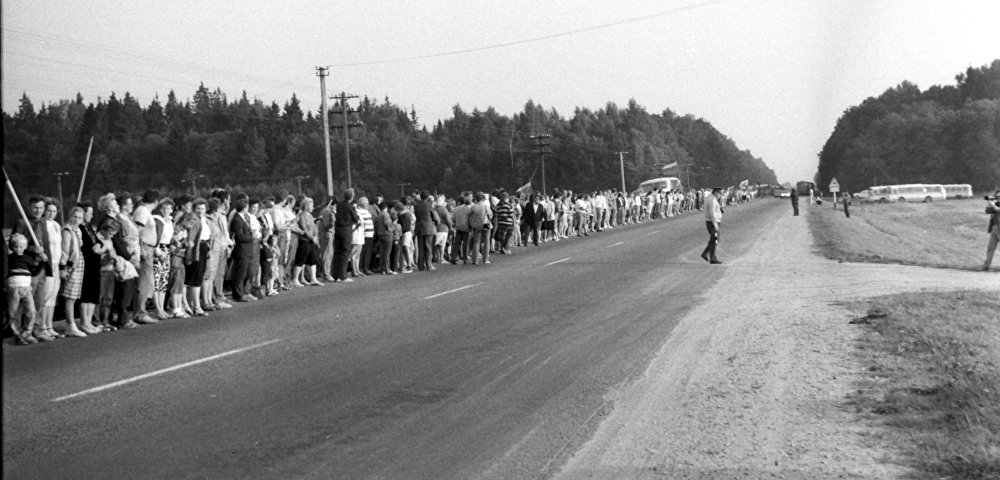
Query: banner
x,y
669,165
525,189
745,184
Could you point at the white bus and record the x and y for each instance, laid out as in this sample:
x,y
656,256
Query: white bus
x,y
917,192
958,190
665,183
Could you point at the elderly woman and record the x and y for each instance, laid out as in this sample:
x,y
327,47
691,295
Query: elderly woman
x,y
90,268
199,238
127,289
164,223
71,269
307,253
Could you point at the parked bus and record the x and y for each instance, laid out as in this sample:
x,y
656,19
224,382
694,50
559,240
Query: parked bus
x,y
804,187
917,192
958,190
665,183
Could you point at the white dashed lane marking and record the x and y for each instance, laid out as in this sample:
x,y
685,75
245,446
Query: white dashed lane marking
x,y
453,291
165,370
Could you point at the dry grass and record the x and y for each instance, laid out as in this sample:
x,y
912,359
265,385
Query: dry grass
x,y
949,234
934,376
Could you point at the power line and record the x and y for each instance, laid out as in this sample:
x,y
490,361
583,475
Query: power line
x,y
539,38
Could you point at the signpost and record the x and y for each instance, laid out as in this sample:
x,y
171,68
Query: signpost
x,y
834,188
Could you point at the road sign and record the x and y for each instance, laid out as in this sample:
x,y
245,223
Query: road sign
x,y
834,186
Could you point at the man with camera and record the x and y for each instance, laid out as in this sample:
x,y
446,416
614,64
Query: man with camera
x,y
993,210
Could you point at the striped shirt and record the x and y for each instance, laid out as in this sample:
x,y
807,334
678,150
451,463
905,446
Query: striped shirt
x,y
366,219
505,214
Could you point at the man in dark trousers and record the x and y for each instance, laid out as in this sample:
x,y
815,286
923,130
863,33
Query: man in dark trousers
x,y
343,232
713,219
534,214
426,229
239,228
795,203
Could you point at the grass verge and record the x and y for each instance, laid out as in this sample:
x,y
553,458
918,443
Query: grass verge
x,y
949,234
933,362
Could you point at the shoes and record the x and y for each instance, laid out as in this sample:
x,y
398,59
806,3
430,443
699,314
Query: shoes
x,y
297,285
715,261
54,334
26,338
316,284
348,280
201,313
432,268
90,329
129,325
44,336
328,278
705,256
241,300
486,262
408,270
225,305
250,297
145,319
75,332
180,314
209,308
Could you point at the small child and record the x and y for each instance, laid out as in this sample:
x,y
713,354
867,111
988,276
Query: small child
x,y
269,264
397,235
22,266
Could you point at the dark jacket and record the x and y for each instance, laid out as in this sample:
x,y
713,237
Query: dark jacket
x,y
240,229
533,214
346,215
427,218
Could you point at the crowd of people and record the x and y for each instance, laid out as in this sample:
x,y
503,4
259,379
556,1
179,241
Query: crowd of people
x,y
127,260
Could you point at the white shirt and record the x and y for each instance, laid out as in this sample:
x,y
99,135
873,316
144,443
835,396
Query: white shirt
x,y
168,229
713,211
142,215
55,242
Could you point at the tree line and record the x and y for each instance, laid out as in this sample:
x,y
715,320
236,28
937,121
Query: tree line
x,y
211,140
946,134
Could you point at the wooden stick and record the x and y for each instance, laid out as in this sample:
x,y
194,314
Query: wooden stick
x,y
24,216
79,195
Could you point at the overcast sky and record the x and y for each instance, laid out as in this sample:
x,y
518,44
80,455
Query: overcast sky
x,y
773,75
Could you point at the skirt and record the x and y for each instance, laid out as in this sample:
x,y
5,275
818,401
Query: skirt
x,y
72,286
307,253
175,282
161,273
194,273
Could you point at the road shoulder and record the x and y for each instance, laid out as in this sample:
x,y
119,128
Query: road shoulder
x,y
755,381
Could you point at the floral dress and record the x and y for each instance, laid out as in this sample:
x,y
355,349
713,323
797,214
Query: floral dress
x,y
73,285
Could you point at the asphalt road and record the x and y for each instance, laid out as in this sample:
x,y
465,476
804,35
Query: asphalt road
x,y
496,371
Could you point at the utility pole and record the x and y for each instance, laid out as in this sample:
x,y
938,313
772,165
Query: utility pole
x,y
298,180
62,205
322,73
344,110
541,147
621,163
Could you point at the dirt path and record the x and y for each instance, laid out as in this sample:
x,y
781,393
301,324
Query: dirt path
x,y
753,383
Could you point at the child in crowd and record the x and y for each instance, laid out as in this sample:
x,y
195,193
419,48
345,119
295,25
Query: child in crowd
x,y
22,266
269,264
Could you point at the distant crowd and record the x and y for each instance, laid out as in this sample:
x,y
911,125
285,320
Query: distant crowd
x,y
126,260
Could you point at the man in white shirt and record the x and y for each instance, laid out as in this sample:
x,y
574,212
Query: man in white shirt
x,y
713,218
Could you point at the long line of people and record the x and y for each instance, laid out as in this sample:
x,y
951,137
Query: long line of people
x,y
130,261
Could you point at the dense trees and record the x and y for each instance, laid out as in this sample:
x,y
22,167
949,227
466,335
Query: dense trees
x,y
212,140
947,134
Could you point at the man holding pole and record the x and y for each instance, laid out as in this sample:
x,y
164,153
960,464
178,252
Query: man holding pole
x,y
33,227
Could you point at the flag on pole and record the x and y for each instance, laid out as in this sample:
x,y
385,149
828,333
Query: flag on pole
x,y
525,189
669,165
745,184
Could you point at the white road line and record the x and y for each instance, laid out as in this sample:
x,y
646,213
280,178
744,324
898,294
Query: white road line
x,y
614,245
653,233
165,370
558,261
453,291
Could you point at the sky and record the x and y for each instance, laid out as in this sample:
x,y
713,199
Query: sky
x,y
773,75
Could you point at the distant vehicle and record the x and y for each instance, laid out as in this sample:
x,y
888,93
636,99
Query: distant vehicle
x,y
804,187
665,183
864,196
917,192
783,193
958,191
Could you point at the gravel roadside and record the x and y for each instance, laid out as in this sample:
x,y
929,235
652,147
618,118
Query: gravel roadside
x,y
754,382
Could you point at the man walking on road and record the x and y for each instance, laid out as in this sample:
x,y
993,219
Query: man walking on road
x,y
795,203
713,218
993,210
